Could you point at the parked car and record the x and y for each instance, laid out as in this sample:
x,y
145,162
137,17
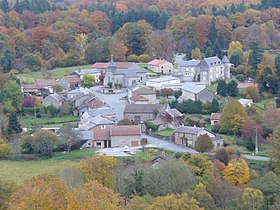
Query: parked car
x,y
126,149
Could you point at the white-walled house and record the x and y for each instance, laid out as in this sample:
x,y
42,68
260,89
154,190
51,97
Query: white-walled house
x,y
158,83
161,66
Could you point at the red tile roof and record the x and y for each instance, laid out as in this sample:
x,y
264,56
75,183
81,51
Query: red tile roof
x,y
99,65
156,62
101,135
46,82
119,65
125,130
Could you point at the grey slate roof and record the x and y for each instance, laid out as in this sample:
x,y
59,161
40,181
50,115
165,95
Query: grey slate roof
x,y
174,113
57,97
189,129
131,72
95,121
85,71
80,90
85,135
225,59
189,63
192,87
215,116
101,111
144,108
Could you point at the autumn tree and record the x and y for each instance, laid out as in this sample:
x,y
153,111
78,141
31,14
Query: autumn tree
x,y
252,198
6,189
11,96
95,196
200,164
274,139
223,156
140,202
45,192
177,94
203,197
71,176
204,143
100,169
252,92
176,202
237,172
167,92
118,49
232,116
196,54
161,45
235,47
251,130
89,80
270,119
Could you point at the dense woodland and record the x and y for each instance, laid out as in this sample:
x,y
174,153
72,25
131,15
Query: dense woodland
x,y
37,35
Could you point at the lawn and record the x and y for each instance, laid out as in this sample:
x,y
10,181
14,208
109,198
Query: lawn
x,y
19,171
49,121
165,132
55,73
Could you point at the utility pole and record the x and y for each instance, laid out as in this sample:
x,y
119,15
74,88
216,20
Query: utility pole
x,y
256,144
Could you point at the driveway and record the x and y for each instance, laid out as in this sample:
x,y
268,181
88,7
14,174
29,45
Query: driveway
x,y
159,143
114,100
117,152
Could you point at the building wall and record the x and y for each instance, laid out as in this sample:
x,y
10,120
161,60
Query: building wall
x,y
64,84
121,141
158,85
143,116
151,97
188,95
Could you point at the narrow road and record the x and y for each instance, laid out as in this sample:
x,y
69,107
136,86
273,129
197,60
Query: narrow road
x,y
255,157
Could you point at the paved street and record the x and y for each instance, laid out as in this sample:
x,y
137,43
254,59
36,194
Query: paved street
x,y
255,157
114,100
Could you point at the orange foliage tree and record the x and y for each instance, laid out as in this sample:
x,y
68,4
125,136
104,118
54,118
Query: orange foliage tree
x,y
237,172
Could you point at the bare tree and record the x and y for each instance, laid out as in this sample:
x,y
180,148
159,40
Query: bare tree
x,y
68,137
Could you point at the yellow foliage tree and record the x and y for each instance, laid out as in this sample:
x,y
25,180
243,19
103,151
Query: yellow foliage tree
x,y
196,54
46,192
235,47
237,172
99,168
94,196
175,202
252,198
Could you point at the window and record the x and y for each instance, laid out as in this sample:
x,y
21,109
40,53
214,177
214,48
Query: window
x,y
98,144
187,73
103,126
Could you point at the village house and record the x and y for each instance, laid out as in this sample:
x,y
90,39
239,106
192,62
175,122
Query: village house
x,y
90,103
142,112
30,88
206,71
173,117
245,102
104,66
70,82
161,66
54,100
104,111
78,92
187,136
94,72
115,136
193,91
95,123
125,77
215,118
142,95
46,84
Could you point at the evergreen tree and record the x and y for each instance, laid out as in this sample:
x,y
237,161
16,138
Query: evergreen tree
x,y
217,49
14,125
191,46
5,6
213,31
277,64
7,59
236,58
222,88
256,56
215,106
232,89
209,52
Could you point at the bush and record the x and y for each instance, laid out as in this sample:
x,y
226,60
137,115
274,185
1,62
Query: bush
x,y
240,77
132,58
4,150
144,58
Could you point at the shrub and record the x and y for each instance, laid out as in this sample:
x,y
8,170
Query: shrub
x,y
240,77
4,150
144,58
132,58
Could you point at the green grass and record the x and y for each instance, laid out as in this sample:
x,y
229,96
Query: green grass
x,y
213,88
208,127
50,121
55,73
165,132
19,171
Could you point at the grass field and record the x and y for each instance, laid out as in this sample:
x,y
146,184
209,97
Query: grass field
x,y
165,132
19,171
48,121
55,73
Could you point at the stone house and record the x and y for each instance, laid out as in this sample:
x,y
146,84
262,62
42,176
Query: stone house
x,y
142,95
161,66
46,84
104,111
70,82
104,66
142,112
160,82
54,100
215,118
116,136
206,71
88,104
78,92
187,136
94,72
126,77
173,117
30,88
